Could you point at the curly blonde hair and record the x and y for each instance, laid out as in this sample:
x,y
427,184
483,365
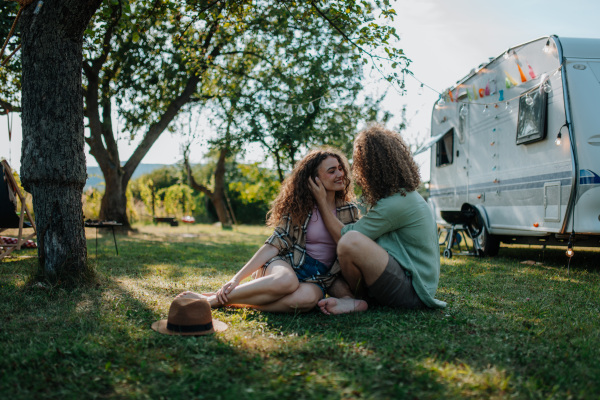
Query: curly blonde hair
x,y
295,198
383,164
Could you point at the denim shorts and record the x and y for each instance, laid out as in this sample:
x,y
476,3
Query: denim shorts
x,y
312,270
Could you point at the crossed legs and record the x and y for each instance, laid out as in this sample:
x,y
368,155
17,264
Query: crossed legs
x,y
277,291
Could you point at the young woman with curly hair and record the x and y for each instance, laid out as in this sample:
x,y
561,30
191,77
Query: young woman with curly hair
x,y
298,262
391,255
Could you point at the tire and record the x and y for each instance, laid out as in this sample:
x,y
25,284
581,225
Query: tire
x,y
488,244
448,253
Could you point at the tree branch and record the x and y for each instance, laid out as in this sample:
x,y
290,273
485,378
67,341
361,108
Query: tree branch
x,y
96,64
345,36
191,180
7,107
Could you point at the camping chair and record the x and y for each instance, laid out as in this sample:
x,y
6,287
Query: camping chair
x,y
9,218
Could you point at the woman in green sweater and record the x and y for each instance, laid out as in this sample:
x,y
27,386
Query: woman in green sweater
x,y
391,255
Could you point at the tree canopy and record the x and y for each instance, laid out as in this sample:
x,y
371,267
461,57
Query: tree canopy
x,y
145,62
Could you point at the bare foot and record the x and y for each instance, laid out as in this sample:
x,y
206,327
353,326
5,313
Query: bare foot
x,y
332,305
190,295
210,297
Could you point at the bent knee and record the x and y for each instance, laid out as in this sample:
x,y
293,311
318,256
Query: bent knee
x,y
285,284
350,243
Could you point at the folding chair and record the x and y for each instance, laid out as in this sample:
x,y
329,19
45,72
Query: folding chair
x,y
9,218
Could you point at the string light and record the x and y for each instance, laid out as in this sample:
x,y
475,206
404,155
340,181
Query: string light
x,y
528,99
570,253
544,86
547,49
441,101
490,89
558,139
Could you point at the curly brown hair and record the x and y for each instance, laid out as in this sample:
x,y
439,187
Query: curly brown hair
x,y
383,164
295,198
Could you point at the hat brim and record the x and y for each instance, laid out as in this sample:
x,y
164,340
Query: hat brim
x,y
161,327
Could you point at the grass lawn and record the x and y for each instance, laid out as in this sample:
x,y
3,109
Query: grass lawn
x,y
510,330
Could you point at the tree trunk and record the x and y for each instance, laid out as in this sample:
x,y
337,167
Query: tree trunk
x,y
279,167
217,196
114,201
53,166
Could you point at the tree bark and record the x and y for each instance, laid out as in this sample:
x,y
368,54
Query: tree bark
x,y
53,167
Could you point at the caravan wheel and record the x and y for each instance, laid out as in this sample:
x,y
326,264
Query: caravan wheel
x,y
488,244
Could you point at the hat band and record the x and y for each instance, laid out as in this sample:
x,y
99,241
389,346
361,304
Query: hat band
x,y
189,328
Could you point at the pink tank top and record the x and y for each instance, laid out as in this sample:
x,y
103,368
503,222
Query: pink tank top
x,y
319,243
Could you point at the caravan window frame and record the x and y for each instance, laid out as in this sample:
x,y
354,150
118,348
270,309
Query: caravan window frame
x,y
531,123
443,155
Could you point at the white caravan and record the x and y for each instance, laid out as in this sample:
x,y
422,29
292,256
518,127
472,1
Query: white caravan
x,y
516,148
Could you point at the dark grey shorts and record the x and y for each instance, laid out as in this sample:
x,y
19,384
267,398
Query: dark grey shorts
x,y
393,288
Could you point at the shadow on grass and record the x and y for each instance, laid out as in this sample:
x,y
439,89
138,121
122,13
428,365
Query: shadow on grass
x,y
526,331
98,343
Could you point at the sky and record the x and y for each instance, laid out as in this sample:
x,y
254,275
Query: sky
x,y
444,39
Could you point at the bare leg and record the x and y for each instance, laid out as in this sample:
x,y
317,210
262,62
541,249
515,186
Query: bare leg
x,y
279,281
342,300
304,299
339,288
361,259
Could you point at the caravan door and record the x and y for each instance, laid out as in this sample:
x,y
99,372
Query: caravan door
x,y
583,77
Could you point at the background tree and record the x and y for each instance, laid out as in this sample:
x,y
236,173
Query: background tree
x,y
304,61
256,89
148,62
217,194
139,63
252,189
154,71
10,72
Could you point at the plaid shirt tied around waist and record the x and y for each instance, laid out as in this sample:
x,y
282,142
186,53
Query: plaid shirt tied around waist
x,y
290,240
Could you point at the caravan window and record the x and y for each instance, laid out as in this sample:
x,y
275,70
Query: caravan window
x,y
444,149
532,116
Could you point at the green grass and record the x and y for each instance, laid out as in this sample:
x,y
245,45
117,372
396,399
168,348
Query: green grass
x,y
511,330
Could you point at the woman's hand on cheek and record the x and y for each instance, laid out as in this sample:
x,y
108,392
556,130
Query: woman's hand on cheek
x,y
317,189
